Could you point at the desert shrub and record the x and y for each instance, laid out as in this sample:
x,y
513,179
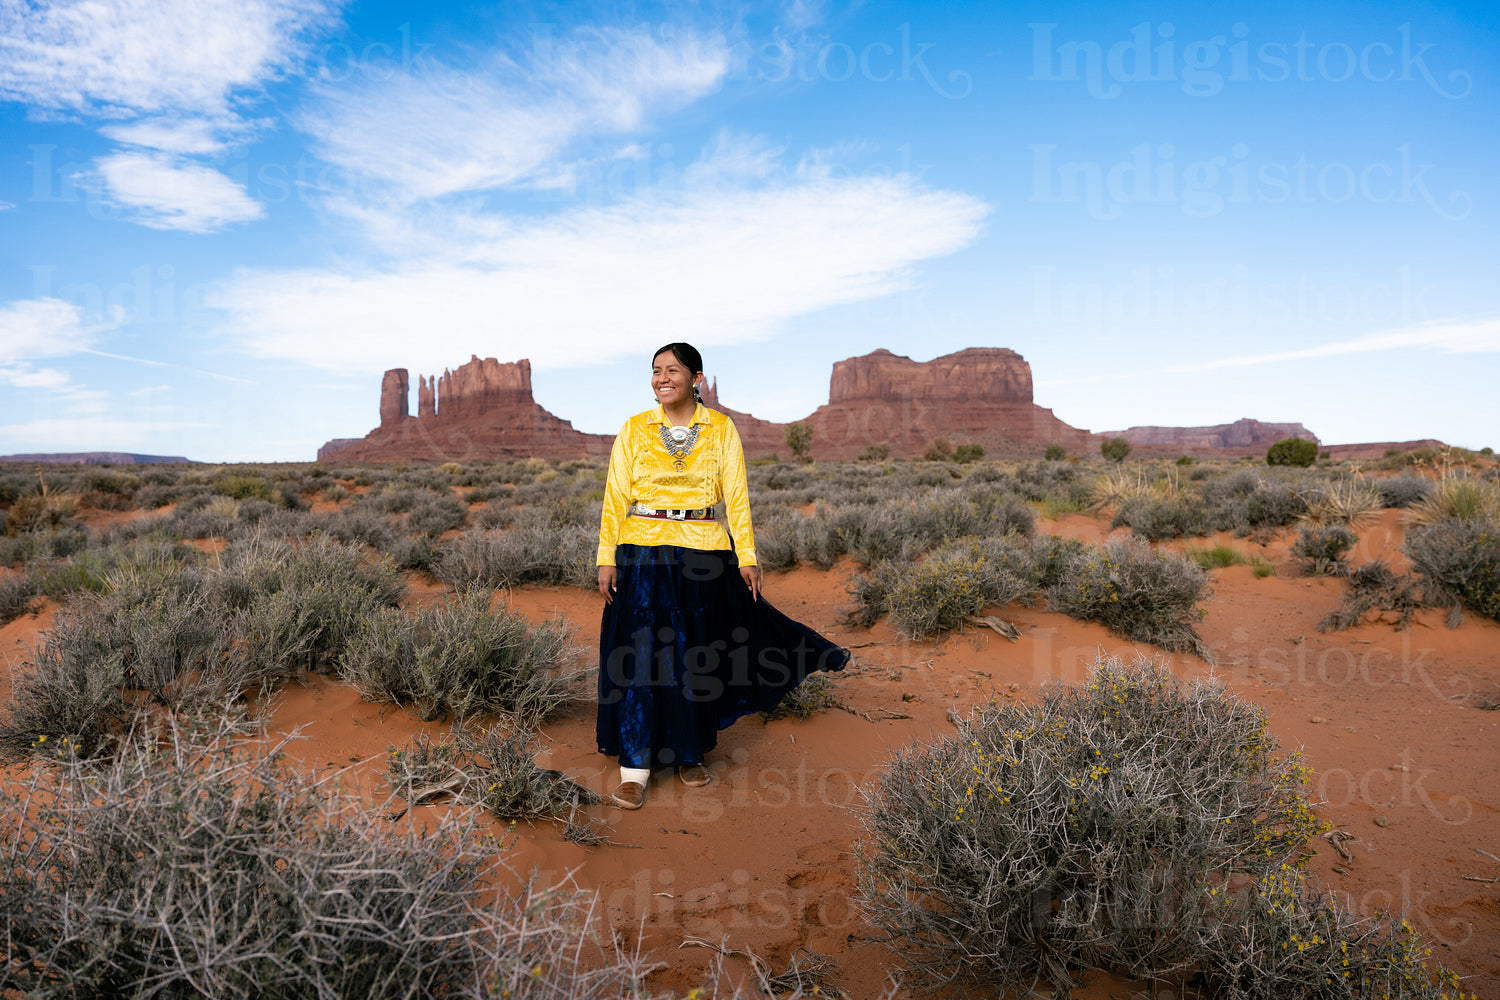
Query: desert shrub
x,y
1280,937
358,524
40,508
1156,518
1272,505
799,438
188,870
875,453
18,594
1055,453
1461,499
493,768
1185,460
1350,503
1403,490
815,694
939,449
1459,562
966,453
245,485
937,594
337,493
1086,829
414,552
1292,451
1115,449
1135,592
1321,551
530,552
296,607
64,694
434,515
1245,503
461,658
1374,587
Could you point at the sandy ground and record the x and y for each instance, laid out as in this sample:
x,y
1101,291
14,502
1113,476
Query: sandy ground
x,y
762,858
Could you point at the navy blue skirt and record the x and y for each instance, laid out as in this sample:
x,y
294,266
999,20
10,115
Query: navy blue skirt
x,y
684,651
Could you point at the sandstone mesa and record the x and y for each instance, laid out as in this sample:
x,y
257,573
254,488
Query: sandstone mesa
x,y
484,409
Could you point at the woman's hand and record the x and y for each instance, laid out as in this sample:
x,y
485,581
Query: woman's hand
x,y
608,578
751,576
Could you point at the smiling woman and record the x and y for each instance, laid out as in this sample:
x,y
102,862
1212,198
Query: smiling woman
x,y
686,644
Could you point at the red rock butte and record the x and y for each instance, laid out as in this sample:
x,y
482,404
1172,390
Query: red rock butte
x,y
481,410
981,395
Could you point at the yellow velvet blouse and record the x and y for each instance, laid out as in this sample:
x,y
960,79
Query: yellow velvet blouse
x,y
642,471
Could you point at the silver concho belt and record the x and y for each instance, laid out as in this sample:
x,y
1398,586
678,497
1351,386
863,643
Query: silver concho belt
x,y
696,514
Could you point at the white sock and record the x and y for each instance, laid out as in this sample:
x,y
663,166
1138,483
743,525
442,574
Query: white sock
x,y
640,775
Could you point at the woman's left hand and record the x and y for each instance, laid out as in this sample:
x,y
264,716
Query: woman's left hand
x,y
751,576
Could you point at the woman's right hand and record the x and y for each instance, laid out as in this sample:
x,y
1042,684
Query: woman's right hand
x,y
607,581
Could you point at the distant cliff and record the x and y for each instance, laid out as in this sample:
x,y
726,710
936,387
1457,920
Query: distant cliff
x,y
481,409
95,458
1243,433
982,395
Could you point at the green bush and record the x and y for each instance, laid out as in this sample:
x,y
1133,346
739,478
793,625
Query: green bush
x,y
1292,451
799,438
461,658
1135,592
1091,828
246,486
1115,449
1055,453
1459,562
966,453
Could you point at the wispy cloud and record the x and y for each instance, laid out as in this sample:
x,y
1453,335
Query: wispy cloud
x,y
591,285
122,58
504,120
171,364
1451,336
171,76
163,192
48,328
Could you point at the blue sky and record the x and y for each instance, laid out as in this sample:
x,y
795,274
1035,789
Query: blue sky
x,y
222,220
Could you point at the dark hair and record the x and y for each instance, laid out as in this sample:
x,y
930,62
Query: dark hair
x,y
685,354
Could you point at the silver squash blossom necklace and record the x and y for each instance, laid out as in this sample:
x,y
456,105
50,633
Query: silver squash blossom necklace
x,y
679,442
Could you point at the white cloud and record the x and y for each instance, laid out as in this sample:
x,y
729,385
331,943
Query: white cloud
x,y
167,193
47,328
171,134
1449,336
6,206
117,58
594,284
445,130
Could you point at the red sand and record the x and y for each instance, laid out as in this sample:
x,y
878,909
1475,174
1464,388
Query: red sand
x,y
762,857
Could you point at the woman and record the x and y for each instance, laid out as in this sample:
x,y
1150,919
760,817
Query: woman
x,y
686,645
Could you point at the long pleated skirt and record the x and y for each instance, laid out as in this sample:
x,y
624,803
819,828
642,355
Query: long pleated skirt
x,y
684,651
